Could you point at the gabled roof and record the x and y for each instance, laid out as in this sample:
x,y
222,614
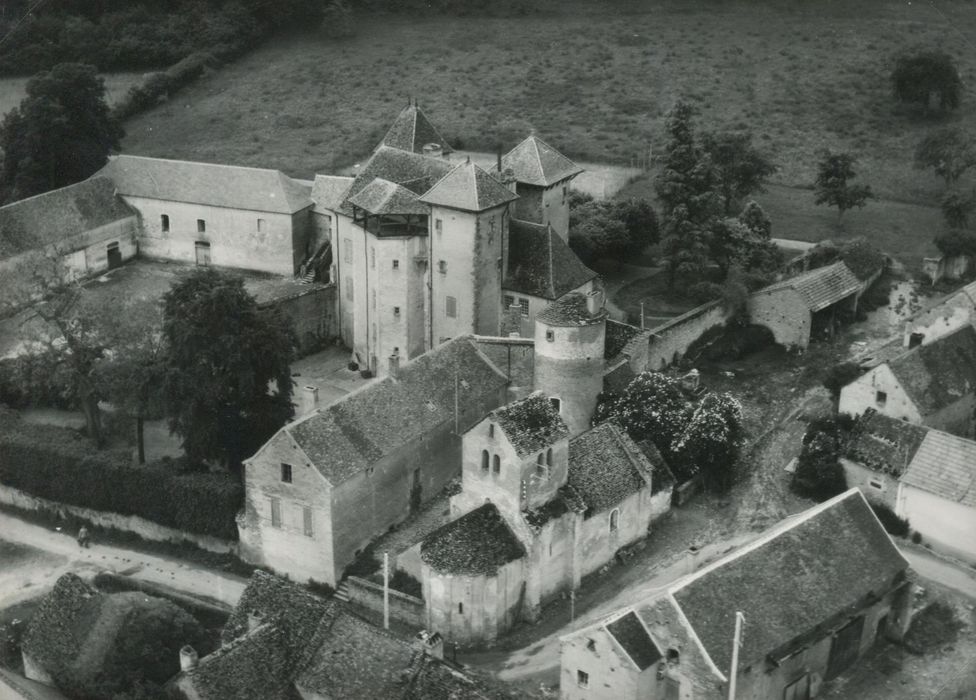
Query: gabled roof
x,y
413,171
385,197
412,130
945,465
809,569
629,632
232,186
470,188
329,192
255,665
606,466
348,436
479,542
535,162
821,287
883,443
571,310
541,264
530,424
56,216
939,373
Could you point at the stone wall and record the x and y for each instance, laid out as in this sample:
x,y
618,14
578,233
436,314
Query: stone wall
x,y
670,341
313,315
862,394
784,313
403,607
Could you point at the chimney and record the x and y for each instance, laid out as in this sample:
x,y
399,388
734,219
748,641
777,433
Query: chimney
x,y
508,179
433,150
594,302
431,643
310,398
188,658
395,364
254,620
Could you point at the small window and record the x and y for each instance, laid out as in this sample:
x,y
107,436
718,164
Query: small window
x,y
496,464
461,608
915,339
201,226
541,458
450,307
484,461
556,404
550,335
509,301
164,222
262,225
349,288
524,306
565,188
491,430
582,679
673,656
286,473
881,398
549,457
396,264
438,225
396,312
442,266
307,521
614,520
347,250
275,512
876,484
372,258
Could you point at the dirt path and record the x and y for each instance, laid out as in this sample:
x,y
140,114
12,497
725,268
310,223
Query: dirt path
x,y
184,577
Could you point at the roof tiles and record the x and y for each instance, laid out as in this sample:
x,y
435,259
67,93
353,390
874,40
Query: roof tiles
x,y
477,543
821,287
530,424
630,633
541,264
384,197
329,192
940,373
534,162
606,466
945,465
412,130
571,310
468,187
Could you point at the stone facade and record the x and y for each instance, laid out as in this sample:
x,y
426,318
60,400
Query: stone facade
x,y
784,313
879,389
671,340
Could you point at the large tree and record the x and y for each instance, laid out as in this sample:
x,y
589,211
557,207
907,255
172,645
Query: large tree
x,y
949,152
712,443
740,168
227,384
597,232
923,74
957,207
833,185
61,133
688,177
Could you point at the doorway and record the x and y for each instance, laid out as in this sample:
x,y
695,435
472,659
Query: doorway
x,y
202,252
114,256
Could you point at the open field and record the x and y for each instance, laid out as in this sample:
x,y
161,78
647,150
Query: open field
x,y
595,80
13,90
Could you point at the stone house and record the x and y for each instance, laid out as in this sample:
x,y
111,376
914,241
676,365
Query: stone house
x,y
816,591
932,384
282,642
328,483
955,311
537,511
208,214
542,176
923,475
798,308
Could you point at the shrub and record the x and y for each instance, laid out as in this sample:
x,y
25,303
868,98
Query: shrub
x,y
819,474
893,525
405,583
364,564
934,627
839,376
59,465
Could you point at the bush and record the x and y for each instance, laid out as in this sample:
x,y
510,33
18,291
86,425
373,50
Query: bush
x,y
893,525
159,86
405,583
59,465
819,474
839,376
933,628
364,564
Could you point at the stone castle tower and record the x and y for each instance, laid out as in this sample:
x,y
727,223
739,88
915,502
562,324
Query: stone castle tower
x,y
569,343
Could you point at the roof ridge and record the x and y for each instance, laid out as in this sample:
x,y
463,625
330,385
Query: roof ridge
x,y
97,176
199,162
689,628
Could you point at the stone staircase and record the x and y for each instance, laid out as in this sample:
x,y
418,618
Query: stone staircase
x,y
342,592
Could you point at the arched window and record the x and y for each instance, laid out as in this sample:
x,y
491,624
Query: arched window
x,y
673,656
496,464
614,519
549,456
484,460
540,459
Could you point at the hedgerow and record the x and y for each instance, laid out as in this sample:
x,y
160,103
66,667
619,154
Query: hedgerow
x,y
60,465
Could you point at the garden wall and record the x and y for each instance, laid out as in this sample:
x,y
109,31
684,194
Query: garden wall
x,y
403,607
671,340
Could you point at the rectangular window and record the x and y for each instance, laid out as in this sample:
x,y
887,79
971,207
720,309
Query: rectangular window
x,y
275,512
307,521
442,266
556,403
524,306
509,301
396,264
396,312
164,222
347,250
201,226
451,307
438,225
262,224
286,473
881,398
582,679
349,288
550,335
372,258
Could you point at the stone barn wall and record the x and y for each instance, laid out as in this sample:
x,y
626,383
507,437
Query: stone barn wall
x,y
671,340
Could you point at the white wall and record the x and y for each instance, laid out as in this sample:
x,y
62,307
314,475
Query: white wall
x,y
947,525
861,394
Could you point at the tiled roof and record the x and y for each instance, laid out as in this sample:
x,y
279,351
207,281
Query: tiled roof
x,y
882,443
630,633
805,571
385,197
470,188
477,543
530,424
541,264
348,436
606,466
535,162
232,186
59,215
411,170
945,465
940,373
412,130
435,680
821,287
329,192
618,335
255,665
570,310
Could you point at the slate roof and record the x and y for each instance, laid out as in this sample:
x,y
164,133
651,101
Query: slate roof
x,y
940,373
412,130
530,424
821,287
882,443
256,665
541,264
606,466
805,571
535,162
346,437
59,215
232,186
945,465
630,633
329,192
477,543
385,197
413,171
470,188
617,337
570,310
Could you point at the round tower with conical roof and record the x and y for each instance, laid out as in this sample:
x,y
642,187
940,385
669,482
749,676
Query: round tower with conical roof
x,y
569,340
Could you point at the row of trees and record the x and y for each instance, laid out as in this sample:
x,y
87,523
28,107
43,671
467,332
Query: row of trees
x,y
951,154
207,358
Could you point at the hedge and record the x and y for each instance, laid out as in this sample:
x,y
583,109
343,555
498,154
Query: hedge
x,y
60,465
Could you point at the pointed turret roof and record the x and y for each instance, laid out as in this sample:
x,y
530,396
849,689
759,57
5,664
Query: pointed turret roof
x,y
385,197
470,188
535,162
412,130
